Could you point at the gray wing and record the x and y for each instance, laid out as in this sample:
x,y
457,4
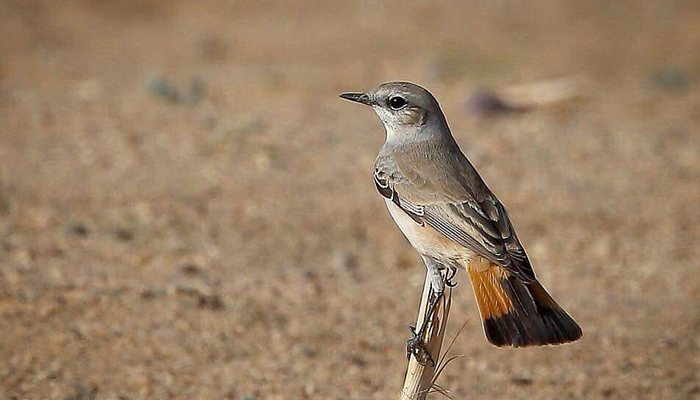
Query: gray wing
x,y
485,228
457,204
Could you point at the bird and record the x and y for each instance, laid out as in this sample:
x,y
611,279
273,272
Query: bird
x,y
454,221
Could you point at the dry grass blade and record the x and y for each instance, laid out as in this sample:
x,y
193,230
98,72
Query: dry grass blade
x,y
440,390
445,360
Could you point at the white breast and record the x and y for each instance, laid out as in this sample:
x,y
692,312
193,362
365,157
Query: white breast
x,y
426,240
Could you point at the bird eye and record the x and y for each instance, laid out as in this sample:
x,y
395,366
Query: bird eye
x,y
397,102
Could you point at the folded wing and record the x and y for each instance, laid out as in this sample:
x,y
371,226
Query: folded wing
x,y
458,205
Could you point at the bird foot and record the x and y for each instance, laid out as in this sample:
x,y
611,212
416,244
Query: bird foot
x,y
416,346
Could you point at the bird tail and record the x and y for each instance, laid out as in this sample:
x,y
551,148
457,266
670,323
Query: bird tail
x,y
519,314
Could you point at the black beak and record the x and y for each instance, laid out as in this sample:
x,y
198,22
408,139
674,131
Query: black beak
x,y
357,97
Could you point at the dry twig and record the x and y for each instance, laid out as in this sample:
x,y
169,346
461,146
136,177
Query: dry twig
x,y
420,379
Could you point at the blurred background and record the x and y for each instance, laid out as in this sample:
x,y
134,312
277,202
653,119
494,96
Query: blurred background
x,y
187,209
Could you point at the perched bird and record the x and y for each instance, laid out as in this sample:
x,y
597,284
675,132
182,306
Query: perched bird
x,y
454,221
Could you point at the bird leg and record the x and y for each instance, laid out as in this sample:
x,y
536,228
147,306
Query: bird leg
x,y
416,344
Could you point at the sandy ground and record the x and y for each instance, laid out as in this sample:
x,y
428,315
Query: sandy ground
x,y
187,210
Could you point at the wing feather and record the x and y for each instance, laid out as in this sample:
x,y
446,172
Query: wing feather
x,y
457,203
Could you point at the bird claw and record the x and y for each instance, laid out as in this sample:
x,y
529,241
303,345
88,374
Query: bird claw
x,y
449,278
416,346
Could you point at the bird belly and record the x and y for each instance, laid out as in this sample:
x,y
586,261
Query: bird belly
x,y
426,240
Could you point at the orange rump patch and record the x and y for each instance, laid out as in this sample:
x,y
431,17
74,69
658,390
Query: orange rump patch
x,y
486,280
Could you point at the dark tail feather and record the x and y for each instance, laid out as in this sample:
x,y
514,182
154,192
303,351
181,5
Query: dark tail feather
x,y
520,314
